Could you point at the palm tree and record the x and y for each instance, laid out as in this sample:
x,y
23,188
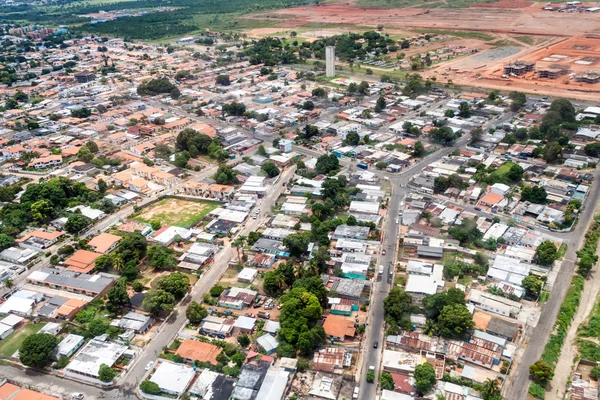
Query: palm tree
x,y
117,263
429,328
239,244
490,389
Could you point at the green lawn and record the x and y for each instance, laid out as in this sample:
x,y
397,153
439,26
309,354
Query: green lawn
x,y
460,34
11,344
504,168
176,212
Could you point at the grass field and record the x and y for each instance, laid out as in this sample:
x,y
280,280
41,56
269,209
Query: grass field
x,y
176,212
11,344
460,34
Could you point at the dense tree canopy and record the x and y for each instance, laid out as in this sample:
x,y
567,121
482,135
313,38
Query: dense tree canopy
x,y
424,378
158,301
36,349
534,194
153,87
174,283
299,315
546,253
196,313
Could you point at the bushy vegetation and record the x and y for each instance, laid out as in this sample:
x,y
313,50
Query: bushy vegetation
x,y
565,316
44,201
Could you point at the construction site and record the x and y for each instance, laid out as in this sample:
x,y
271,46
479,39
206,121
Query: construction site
x,y
568,66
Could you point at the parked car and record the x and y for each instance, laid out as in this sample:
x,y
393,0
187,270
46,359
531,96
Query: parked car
x,y
375,344
264,315
212,310
149,365
383,252
77,396
228,312
355,394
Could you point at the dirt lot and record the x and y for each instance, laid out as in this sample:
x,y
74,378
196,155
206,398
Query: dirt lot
x,y
521,31
529,20
176,212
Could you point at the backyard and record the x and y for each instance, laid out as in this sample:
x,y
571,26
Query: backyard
x,y
175,212
11,344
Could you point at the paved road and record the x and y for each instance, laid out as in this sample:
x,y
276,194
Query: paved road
x,y
57,386
375,331
208,279
518,382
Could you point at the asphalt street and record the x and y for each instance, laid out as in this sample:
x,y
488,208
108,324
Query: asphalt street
x,y
518,382
208,279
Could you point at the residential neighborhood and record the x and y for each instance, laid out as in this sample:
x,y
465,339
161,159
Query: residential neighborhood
x,y
178,227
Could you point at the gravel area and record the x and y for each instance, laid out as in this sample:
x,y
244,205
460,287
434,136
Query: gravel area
x,y
496,54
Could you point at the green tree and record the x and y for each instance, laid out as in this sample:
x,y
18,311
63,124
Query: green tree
x,y
117,297
81,112
454,320
97,326
196,313
552,152
327,164
216,290
397,304
518,100
541,371
564,108
352,139
515,173
157,301
273,283
424,378
102,186
534,194
297,243
464,110
155,224
243,340
106,373
319,92
149,387
223,80
418,150
77,222
595,373
85,155
386,381
175,283
532,284
270,169
36,349
380,165
491,390
42,211
262,151
546,253
92,146
161,257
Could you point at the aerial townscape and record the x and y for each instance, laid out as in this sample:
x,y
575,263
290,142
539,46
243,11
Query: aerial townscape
x,y
299,199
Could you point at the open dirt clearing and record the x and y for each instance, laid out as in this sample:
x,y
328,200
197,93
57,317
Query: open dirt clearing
x,y
176,212
529,20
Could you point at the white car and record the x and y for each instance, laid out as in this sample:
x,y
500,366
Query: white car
x,y
355,394
149,365
77,396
